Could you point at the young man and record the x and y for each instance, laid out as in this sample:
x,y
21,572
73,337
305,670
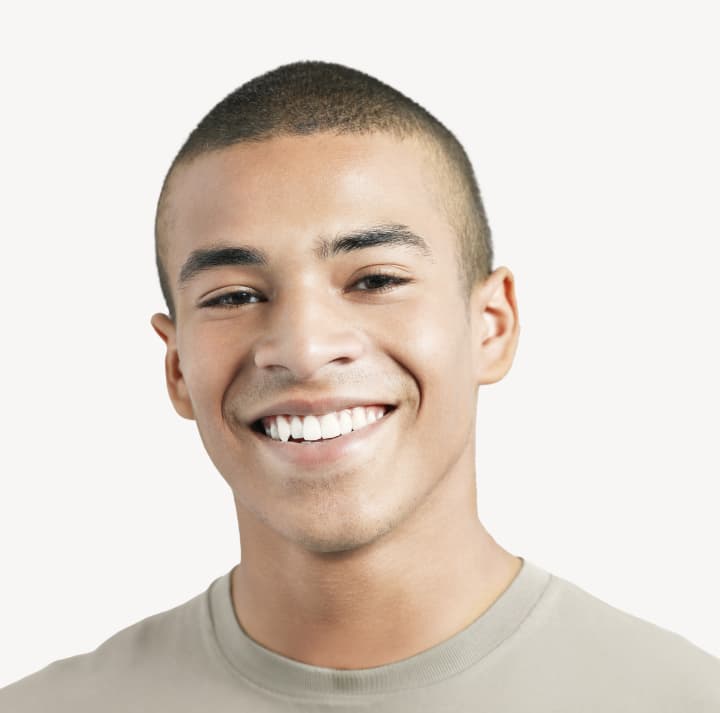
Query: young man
x,y
332,311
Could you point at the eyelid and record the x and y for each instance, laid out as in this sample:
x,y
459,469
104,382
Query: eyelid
x,y
216,291
209,298
393,281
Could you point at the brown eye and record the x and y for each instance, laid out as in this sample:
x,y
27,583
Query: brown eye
x,y
232,299
379,282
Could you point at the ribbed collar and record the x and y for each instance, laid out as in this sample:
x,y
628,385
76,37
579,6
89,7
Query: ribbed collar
x,y
284,675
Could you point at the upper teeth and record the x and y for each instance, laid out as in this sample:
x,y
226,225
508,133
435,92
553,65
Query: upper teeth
x,y
315,428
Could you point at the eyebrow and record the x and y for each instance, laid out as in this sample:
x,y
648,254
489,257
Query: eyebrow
x,y
391,234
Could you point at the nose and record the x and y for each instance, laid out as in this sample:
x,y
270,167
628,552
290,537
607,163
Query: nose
x,y
306,332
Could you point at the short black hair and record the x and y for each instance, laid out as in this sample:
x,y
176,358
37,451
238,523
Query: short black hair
x,y
310,97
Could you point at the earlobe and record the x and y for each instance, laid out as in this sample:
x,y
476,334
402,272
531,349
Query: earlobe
x,y
177,389
495,326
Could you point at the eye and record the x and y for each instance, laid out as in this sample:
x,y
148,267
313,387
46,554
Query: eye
x,y
381,282
232,299
375,282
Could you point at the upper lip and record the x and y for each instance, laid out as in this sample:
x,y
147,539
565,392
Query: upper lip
x,y
305,407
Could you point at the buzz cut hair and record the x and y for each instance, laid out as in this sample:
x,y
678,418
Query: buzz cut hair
x,y
311,97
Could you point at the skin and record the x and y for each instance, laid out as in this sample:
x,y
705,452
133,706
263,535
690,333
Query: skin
x,y
379,555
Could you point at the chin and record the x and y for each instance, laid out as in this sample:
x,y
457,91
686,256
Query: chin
x,y
345,537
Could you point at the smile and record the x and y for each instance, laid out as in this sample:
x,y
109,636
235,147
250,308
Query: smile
x,y
295,428
325,450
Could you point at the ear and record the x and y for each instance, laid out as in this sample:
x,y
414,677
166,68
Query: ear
x,y
176,387
495,326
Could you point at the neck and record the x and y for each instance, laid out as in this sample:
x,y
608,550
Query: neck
x,y
419,584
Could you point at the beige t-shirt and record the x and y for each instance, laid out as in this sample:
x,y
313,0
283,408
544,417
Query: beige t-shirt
x,y
545,645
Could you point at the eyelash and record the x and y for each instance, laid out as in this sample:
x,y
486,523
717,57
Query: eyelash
x,y
389,282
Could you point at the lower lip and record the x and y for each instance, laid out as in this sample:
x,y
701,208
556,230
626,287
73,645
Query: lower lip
x,y
324,451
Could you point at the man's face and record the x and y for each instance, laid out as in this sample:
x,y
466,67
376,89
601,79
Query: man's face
x,y
383,325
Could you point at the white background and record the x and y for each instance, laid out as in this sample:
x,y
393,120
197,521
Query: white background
x,y
593,128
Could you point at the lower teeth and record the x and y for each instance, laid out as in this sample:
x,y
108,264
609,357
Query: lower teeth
x,y
293,440
302,440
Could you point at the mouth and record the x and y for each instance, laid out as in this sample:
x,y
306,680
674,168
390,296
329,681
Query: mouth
x,y
311,455
262,427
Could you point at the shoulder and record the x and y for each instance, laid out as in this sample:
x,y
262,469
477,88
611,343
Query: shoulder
x,y
616,653
130,664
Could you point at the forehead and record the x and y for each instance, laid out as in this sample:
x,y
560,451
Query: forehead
x,y
287,191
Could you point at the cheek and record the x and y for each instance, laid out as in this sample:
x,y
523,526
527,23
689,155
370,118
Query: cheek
x,y
432,343
209,357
